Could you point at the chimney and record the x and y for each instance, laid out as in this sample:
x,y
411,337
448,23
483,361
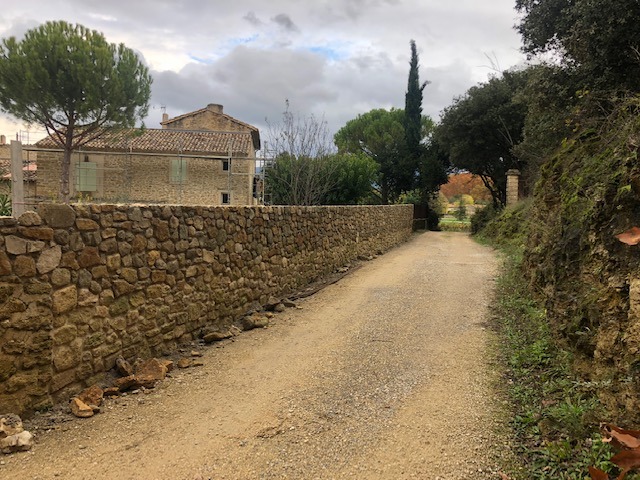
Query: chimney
x,y
3,140
214,107
165,117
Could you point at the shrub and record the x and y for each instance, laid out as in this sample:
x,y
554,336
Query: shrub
x,y
482,217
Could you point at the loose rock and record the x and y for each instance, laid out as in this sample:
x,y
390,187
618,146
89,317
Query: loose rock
x,y
123,367
20,442
80,409
216,336
92,395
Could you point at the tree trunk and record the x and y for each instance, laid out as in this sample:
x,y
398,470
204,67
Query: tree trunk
x,y
64,194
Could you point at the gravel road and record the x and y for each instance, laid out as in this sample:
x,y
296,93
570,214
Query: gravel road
x,y
383,375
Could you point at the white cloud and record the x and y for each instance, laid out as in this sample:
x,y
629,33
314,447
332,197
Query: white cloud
x,y
338,58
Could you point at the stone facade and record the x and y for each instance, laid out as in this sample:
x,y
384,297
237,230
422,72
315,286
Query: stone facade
x,y
81,285
147,179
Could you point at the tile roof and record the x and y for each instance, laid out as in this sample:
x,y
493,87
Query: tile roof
x,y
29,171
166,141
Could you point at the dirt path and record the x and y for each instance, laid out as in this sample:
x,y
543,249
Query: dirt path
x,y
382,375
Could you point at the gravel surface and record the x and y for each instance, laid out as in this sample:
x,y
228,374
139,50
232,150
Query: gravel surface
x,y
383,375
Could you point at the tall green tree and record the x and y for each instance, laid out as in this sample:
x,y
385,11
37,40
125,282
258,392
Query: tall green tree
x,y
479,131
378,134
70,80
426,166
413,124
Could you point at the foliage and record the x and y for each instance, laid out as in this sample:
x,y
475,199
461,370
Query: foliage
x,y
353,176
461,211
508,226
482,217
550,94
480,129
466,183
554,414
448,224
426,162
70,80
378,134
5,205
401,143
413,108
599,39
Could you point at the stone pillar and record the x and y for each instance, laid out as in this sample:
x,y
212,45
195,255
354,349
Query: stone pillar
x,y
513,179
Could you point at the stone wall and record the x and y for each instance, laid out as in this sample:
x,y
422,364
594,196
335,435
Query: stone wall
x,y
81,285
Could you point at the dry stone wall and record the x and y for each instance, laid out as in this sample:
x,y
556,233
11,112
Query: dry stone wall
x,y
81,285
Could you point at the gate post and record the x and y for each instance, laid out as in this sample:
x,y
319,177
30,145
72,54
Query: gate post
x,y
513,180
17,183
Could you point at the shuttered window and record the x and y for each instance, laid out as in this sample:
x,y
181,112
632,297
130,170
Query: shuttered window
x,y
86,176
178,170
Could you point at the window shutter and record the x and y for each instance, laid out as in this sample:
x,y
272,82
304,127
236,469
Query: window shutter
x,y
87,177
178,170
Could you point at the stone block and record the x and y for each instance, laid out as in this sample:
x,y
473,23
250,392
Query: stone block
x,y
65,299
37,233
60,277
64,335
89,257
49,259
29,219
57,215
86,224
24,266
16,245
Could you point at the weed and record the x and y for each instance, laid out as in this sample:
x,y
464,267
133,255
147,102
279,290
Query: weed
x,y
554,415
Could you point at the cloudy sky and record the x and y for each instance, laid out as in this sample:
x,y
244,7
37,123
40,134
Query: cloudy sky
x,y
331,58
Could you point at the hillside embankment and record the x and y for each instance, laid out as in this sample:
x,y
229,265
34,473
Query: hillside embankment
x,y
588,193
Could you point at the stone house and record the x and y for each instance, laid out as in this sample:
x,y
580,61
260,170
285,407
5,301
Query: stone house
x,y
201,158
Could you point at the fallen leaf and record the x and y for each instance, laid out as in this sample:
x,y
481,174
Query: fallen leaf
x,y
597,474
621,438
627,459
630,237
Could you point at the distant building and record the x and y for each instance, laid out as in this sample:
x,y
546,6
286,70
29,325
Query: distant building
x,y
29,170
201,158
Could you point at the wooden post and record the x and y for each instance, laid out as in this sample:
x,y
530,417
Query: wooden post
x,y
513,180
17,183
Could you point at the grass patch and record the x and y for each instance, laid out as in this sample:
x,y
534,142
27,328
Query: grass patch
x,y
554,416
451,224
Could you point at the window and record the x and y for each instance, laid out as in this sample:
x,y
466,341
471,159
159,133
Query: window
x,y
178,170
225,165
86,176
226,198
